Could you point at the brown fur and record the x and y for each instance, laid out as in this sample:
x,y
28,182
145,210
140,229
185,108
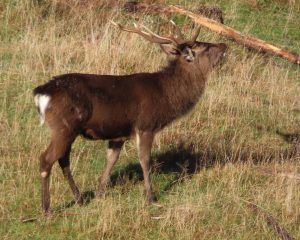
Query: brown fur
x,y
116,108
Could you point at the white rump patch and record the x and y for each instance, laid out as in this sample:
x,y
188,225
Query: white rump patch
x,y
42,102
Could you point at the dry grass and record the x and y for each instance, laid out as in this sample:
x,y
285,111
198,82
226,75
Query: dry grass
x,y
227,140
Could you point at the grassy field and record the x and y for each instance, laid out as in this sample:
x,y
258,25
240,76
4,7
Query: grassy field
x,y
238,146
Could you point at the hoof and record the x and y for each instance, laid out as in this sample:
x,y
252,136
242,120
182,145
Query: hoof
x,y
47,213
100,193
151,199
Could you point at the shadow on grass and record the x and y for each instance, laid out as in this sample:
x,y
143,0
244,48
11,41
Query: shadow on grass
x,y
87,198
182,162
289,137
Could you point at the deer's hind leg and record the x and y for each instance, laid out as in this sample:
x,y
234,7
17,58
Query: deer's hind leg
x,y
64,163
58,149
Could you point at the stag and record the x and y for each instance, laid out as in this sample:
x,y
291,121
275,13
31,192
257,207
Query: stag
x,y
117,108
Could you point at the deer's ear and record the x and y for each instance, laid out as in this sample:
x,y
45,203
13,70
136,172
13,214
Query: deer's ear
x,y
198,49
170,49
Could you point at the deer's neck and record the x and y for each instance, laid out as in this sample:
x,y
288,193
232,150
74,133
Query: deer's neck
x,y
183,84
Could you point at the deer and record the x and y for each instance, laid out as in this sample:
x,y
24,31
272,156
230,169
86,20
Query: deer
x,y
117,108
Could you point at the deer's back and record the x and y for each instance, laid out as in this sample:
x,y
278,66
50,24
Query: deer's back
x,y
105,106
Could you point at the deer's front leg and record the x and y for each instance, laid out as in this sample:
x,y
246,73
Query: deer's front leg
x,y
112,155
144,141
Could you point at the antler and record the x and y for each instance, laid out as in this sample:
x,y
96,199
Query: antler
x,y
180,37
148,34
155,38
194,38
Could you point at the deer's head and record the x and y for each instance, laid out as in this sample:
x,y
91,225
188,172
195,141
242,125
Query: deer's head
x,y
187,51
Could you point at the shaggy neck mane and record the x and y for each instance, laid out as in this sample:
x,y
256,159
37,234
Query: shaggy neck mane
x,y
183,84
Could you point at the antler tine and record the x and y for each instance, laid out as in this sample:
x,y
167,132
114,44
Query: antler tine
x,y
149,35
194,38
180,36
154,35
134,30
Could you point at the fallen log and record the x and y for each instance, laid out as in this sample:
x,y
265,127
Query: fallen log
x,y
250,42
203,20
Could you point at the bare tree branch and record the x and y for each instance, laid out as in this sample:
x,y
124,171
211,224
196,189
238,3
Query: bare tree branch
x,y
271,221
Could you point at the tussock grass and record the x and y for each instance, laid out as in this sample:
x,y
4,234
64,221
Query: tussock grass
x,y
206,165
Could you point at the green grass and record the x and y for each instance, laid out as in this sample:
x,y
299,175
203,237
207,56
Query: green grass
x,y
206,166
